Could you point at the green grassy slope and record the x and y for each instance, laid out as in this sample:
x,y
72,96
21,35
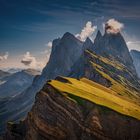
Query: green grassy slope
x,y
99,94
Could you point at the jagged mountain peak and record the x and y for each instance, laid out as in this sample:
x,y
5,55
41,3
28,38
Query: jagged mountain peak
x,y
66,51
114,36
69,36
87,44
88,40
114,46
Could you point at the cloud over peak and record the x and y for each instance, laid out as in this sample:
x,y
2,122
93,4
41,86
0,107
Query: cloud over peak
x,y
113,26
87,31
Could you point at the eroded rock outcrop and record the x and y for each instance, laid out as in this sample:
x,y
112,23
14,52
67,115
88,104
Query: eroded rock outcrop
x,y
55,117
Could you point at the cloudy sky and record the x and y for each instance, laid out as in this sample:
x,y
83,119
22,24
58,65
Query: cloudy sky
x,y
27,27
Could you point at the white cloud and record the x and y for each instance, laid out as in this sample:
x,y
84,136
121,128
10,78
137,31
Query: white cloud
x,y
133,45
31,62
4,57
48,50
49,44
113,26
87,31
133,42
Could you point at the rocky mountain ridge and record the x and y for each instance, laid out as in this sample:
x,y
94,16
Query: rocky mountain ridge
x,y
55,114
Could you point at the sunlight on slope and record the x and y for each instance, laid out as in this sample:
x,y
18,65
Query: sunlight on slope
x,y
111,62
97,94
120,89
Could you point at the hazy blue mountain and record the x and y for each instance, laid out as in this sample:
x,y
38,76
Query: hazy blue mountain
x,y
3,74
17,83
12,70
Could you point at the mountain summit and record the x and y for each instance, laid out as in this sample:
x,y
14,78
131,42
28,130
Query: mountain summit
x,y
113,46
65,52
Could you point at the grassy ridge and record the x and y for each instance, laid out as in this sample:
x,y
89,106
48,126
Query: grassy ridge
x,y
98,94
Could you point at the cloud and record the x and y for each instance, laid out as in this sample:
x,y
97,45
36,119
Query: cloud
x,y
87,31
113,26
4,57
49,44
30,61
133,42
133,45
48,50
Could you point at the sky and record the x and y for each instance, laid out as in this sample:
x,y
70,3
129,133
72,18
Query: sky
x,y
27,27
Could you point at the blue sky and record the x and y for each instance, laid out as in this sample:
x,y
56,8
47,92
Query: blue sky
x,y
28,25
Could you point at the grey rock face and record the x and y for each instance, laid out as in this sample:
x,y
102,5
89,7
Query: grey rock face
x,y
114,46
64,55
136,60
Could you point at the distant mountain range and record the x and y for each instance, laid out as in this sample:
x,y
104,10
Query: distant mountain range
x,y
12,70
3,74
15,83
11,86
100,96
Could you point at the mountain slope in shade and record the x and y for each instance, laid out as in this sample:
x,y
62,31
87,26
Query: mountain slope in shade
x,y
96,111
4,76
12,104
136,60
64,54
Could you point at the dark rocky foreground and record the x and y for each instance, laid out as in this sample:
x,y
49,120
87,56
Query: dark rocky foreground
x,y
54,117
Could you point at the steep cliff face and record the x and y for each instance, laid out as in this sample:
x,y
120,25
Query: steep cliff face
x,y
65,53
136,60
